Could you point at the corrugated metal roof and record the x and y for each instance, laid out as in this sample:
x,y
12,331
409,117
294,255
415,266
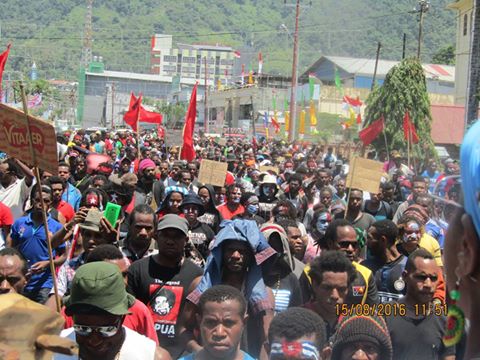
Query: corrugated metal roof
x,y
359,66
146,77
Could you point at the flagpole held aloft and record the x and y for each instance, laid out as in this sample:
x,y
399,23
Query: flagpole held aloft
x,y
38,182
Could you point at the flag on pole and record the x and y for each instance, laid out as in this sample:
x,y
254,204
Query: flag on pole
x,y
226,77
219,84
349,102
145,116
3,61
132,115
287,117
301,125
250,76
359,119
371,132
265,123
338,81
243,74
275,123
188,152
313,118
260,63
409,131
160,132
237,54
311,84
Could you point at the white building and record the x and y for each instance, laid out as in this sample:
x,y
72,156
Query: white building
x,y
188,61
464,9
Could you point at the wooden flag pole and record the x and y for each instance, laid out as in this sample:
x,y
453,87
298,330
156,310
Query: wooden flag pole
x,y
350,186
138,129
408,145
44,214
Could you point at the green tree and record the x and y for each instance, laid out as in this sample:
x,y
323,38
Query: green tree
x,y
445,55
404,90
173,113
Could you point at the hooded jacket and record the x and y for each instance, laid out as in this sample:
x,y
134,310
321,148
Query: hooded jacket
x,y
255,291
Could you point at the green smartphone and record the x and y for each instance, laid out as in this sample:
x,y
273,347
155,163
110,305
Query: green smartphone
x,y
112,212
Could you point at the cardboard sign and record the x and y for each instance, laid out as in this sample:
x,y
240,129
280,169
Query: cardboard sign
x,y
365,175
266,168
14,139
212,172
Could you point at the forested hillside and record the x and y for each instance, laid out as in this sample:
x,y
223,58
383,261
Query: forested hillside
x,y
50,32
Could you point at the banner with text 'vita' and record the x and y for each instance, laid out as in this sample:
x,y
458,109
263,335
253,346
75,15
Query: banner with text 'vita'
x,y
14,139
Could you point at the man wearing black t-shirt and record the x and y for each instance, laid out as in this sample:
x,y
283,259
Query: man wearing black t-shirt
x,y
417,333
164,280
385,261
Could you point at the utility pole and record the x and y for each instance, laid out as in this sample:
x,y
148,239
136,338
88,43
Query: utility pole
x,y
473,88
376,65
205,121
423,6
113,102
293,92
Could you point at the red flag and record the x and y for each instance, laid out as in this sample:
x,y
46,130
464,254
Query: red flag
x,y
359,119
148,116
144,116
276,125
132,115
160,132
188,152
409,131
3,61
352,102
369,134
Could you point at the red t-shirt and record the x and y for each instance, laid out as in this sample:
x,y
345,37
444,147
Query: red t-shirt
x,y
66,210
139,320
6,217
227,214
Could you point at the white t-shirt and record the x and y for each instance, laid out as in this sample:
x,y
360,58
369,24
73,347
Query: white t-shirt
x,y
135,346
15,196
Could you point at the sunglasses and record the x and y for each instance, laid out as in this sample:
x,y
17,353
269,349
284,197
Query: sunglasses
x,y
346,244
12,280
104,331
423,278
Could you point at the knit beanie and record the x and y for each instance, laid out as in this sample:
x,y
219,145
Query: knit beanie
x,y
362,328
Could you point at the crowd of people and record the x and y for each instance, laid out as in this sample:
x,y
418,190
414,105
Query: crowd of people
x,y
286,260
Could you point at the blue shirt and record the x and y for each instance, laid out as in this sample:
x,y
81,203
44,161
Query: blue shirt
x,y
73,196
32,243
432,180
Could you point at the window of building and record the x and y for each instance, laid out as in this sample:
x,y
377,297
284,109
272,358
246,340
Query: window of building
x,y
169,58
245,111
465,24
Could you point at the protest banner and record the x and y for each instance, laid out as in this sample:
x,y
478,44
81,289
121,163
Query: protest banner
x,y
212,172
365,174
14,139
